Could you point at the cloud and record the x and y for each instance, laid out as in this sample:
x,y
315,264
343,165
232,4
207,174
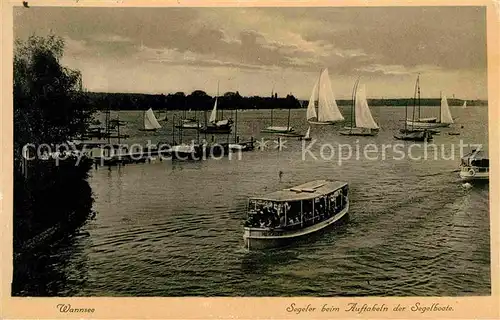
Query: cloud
x,y
389,42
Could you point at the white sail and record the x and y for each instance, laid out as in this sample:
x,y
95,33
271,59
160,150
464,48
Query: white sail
x,y
311,108
213,115
464,105
362,112
150,122
445,111
308,133
328,110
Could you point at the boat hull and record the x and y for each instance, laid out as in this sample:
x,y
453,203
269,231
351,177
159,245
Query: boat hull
x,y
276,131
216,130
433,131
358,132
194,126
325,122
414,136
257,238
469,174
426,125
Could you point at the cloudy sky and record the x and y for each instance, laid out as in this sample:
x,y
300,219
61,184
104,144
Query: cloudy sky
x,y
163,50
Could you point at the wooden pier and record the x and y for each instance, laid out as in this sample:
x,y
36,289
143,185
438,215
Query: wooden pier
x,y
202,152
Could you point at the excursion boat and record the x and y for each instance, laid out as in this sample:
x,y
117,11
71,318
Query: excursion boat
x,y
475,166
283,216
327,111
362,123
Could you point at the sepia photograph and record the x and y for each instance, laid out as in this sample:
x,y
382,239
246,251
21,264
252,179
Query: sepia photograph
x,y
251,152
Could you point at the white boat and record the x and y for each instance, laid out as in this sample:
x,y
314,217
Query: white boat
x,y
278,129
150,121
475,166
416,122
362,123
283,216
445,118
189,124
307,136
217,126
464,105
187,151
327,111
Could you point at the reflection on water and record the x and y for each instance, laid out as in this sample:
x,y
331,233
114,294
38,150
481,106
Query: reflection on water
x,y
175,228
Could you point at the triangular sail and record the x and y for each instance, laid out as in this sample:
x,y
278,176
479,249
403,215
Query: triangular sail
x,y
363,115
445,111
150,121
328,110
213,115
464,105
311,108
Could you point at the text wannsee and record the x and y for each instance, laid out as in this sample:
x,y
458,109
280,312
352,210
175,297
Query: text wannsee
x,y
361,308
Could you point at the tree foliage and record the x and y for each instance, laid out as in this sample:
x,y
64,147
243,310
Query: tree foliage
x,y
49,103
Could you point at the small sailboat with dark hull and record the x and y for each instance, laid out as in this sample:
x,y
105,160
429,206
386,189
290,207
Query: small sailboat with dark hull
x,y
283,216
214,125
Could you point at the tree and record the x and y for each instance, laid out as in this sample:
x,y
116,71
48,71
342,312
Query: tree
x,y
49,103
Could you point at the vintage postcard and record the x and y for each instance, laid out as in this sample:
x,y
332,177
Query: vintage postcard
x,y
250,160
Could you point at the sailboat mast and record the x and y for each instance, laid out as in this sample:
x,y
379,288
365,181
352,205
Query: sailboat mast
x,y
236,125
205,115
354,90
414,102
319,86
173,129
197,125
217,112
440,104
118,128
418,94
406,117
272,105
288,123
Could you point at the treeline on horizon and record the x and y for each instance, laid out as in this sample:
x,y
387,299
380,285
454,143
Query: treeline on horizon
x,y
199,100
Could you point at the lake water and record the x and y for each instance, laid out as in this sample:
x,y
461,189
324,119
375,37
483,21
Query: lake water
x,y
175,229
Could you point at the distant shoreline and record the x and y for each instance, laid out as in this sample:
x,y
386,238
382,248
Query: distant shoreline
x,y
200,101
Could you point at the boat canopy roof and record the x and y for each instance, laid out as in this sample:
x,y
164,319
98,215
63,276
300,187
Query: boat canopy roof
x,y
476,155
309,190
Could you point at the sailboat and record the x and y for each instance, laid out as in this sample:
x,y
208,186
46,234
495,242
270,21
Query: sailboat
x,y
327,111
150,121
465,104
362,123
420,122
277,129
217,126
445,114
307,136
411,133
